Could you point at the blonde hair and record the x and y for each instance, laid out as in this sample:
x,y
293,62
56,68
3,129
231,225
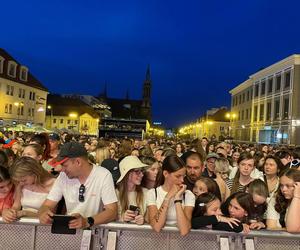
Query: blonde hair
x,y
25,166
222,165
102,153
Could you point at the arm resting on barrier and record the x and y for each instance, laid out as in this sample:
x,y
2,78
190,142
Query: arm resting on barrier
x,y
157,217
11,214
109,214
184,216
47,211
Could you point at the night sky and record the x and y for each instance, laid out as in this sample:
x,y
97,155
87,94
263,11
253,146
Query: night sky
x,y
198,50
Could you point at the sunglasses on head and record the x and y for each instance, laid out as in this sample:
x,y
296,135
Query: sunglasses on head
x,y
81,193
295,163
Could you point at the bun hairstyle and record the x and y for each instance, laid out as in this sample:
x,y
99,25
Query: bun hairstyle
x,y
201,203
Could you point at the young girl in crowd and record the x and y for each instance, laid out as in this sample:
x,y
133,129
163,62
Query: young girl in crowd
x,y
259,191
34,184
278,207
129,191
240,206
207,212
149,179
34,151
6,190
243,175
206,185
171,203
293,218
179,149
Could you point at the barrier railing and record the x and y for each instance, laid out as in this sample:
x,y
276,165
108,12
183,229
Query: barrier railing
x,y
29,234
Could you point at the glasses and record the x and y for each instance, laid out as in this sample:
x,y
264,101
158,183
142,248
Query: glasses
x,y
295,163
138,171
81,192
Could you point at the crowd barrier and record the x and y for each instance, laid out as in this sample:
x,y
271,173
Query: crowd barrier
x,y
29,234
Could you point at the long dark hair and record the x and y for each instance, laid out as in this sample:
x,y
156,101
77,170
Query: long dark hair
x,y
201,203
281,203
245,200
171,164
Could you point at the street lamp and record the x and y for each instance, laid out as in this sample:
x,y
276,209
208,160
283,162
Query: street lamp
x,y
231,116
49,107
73,116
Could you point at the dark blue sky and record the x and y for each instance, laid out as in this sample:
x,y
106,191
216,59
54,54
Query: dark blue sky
x,y
198,50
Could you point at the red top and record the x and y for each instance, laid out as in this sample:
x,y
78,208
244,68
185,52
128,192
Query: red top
x,y
7,201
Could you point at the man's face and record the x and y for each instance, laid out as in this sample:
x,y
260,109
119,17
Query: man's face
x,y
71,168
210,164
53,144
194,168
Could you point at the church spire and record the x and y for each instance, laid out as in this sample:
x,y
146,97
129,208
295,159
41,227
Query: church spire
x,y
148,75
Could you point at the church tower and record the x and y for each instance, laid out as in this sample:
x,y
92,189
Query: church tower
x,y
146,102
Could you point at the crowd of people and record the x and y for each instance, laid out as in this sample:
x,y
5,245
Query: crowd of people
x,y
188,184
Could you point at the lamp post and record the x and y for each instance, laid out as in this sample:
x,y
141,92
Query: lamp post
x,y
49,107
231,116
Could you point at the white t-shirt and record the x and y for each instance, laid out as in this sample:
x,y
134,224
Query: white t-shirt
x,y
132,201
99,188
151,199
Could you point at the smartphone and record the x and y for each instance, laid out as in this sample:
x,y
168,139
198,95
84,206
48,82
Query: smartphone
x,y
60,224
135,209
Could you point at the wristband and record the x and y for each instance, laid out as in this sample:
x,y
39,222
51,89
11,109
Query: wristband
x,y
178,201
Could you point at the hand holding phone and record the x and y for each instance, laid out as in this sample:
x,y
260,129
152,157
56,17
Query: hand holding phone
x,y
135,209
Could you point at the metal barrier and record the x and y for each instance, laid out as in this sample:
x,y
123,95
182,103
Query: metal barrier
x,y
29,234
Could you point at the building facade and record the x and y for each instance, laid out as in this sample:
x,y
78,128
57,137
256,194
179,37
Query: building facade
x,y
23,97
275,103
71,114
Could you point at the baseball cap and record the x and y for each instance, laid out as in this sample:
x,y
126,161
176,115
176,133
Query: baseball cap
x,y
212,155
54,136
129,163
69,150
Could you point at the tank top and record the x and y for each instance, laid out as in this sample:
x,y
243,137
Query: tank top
x,y
32,200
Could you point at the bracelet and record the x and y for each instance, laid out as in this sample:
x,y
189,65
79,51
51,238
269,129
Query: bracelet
x,y
178,201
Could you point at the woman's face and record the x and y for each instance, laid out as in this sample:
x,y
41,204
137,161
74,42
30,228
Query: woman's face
x,y
287,187
178,148
136,176
175,178
5,187
26,180
235,156
258,199
236,211
270,167
151,172
30,152
211,148
200,188
213,208
246,167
